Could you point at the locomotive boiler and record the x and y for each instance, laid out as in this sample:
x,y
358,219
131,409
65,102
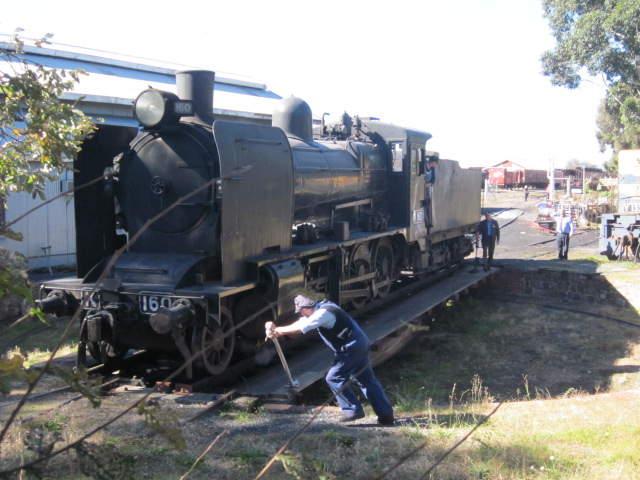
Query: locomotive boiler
x,y
205,228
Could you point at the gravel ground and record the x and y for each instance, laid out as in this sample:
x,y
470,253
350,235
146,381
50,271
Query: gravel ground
x,y
271,425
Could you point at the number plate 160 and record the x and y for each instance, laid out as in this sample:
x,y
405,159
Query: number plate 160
x,y
150,302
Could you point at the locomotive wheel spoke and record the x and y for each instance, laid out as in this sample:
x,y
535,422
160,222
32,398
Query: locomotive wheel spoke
x,y
359,264
215,344
384,265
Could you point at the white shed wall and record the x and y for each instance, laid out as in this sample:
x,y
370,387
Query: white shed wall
x,y
50,225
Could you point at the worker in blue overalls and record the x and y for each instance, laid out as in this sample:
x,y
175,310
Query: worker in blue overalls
x,y
432,160
489,232
564,231
351,362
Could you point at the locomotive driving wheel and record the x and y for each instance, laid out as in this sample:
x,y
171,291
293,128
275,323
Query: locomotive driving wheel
x,y
214,343
248,306
359,265
384,264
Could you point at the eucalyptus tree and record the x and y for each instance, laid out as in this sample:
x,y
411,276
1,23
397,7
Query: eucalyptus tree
x,y
599,38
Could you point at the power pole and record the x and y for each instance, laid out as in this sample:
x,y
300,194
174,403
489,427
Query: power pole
x,y
552,180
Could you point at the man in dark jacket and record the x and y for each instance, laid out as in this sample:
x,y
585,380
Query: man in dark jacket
x,y
351,362
489,231
429,179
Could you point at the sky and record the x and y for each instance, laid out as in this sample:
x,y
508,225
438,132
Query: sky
x,y
466,71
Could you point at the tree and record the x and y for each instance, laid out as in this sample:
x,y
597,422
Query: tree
x,y
600,37
38,131
576,163
38,128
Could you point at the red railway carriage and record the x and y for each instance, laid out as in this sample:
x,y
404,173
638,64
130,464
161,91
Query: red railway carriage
x,y
513,176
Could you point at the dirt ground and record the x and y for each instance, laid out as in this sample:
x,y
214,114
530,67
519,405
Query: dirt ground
x,y
561,351
518,347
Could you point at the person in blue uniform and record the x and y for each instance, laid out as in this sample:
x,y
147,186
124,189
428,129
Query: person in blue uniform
x,y
564,231
430,172
429,179
489,231
351,362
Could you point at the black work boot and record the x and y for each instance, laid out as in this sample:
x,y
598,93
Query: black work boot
x,y
351,417
387,420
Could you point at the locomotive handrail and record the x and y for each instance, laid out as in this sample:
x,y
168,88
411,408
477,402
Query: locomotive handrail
x,y
353,204
259,140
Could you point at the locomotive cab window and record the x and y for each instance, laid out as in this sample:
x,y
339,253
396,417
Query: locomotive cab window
x,y
417,154
397,156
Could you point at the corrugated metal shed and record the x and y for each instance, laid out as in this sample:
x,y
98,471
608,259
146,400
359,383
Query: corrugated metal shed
x,y
113,82
107,91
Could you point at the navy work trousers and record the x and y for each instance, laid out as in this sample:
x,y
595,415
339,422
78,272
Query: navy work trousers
x,y
562,242
353,363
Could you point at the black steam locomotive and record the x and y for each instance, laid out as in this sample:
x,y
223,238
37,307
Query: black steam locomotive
x,y
204,229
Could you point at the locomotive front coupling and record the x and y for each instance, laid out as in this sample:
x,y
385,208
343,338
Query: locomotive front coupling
x,y
182,314
58,303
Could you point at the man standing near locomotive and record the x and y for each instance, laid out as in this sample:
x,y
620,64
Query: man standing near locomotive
x,y
564,231
432,160
489,231
351,362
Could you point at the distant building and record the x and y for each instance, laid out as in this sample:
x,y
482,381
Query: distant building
x,y
509,174
107,92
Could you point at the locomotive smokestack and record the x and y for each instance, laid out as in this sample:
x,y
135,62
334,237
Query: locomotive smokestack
x,y
197,86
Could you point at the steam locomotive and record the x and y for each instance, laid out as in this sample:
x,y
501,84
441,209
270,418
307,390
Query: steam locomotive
x,y
205,228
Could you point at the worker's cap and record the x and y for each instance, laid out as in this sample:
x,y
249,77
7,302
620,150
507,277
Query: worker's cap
x,y
432,157
303,302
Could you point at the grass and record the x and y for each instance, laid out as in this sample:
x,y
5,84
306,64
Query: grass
x,y
441,384
245,457
34,340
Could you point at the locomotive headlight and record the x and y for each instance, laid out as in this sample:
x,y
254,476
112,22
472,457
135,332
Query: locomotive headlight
x,y
150,107
153,107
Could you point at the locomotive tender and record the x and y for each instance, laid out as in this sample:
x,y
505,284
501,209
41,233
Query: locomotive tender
x,y
262,211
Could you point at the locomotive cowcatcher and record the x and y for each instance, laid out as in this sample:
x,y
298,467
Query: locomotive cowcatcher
x,y
202,229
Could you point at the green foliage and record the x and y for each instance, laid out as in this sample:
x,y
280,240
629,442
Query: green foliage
x,y
103,462
80,382
340,439
599,37
303,467
164,423
55,424
39,129
10,369
39,444
249,457
618,121
13,275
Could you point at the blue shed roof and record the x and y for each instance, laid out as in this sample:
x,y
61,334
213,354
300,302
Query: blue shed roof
x,y
112,78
